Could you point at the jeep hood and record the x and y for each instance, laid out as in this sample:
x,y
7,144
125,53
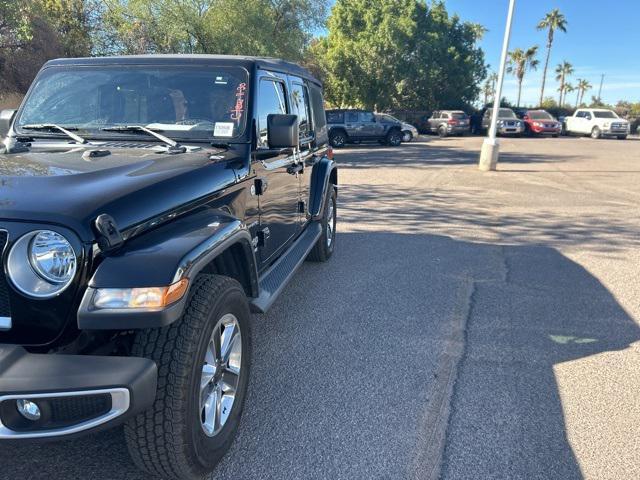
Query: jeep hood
x,y
61,184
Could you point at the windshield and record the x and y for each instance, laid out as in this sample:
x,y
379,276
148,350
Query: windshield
x,y
184,102
539,116
605,114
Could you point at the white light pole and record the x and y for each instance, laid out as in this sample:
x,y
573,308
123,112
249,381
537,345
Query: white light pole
x,y
491,146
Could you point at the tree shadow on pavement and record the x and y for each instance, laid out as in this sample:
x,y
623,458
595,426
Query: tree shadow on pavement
x,y
348,368
466,212
435,154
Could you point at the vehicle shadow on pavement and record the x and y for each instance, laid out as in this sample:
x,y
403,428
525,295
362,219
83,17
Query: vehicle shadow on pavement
x,y
356,355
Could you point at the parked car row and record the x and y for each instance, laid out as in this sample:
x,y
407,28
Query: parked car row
x,y
347,126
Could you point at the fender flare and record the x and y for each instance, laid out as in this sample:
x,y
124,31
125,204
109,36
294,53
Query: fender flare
x,y
180,249
324,172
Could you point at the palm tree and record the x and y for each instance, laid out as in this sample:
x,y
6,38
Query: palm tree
x,y
552,21
489,88
563,70
568,88
583,86
520,61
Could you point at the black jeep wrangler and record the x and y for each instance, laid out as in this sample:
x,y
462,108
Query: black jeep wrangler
x,y
357,126
149,204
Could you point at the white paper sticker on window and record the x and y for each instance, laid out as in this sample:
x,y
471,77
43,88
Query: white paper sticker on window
x,y
223,129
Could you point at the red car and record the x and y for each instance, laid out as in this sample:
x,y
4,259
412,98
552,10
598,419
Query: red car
x,y
540,122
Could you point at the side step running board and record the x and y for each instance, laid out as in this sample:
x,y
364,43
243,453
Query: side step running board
x,y
273,281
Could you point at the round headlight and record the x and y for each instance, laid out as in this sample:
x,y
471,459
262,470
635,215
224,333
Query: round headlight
x,y
52,257
41,263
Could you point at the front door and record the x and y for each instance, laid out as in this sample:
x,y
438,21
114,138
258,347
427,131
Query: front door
x,y
275,175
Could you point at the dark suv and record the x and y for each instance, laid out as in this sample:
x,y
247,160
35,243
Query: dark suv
x,y
149,204
356,126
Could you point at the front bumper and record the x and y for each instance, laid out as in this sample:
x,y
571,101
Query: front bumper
x,y
74,393
510,130
615,131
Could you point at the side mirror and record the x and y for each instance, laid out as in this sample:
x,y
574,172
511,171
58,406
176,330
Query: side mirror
x,y
6,118
282,131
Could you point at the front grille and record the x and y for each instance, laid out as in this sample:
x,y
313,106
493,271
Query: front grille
x,y
618,126
5,309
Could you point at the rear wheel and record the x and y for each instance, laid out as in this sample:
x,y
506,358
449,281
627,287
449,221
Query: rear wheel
x,y
337,139
203,367
442,131
394,138
596,133
407,136
325,245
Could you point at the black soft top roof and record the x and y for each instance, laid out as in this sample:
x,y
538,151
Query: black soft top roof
x,y
264,63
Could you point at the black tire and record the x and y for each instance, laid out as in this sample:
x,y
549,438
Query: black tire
x,y
622,137
394,138
338,139
596,133
442,131
168,440
323,249
555,135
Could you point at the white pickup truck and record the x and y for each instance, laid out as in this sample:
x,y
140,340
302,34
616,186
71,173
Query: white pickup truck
x,y
597,122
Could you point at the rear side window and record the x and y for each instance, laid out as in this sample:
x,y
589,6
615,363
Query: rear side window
x,y
334,117
367,117
271,99
352,116
300,106
317,110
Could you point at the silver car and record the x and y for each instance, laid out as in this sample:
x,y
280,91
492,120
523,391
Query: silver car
x,y
508,122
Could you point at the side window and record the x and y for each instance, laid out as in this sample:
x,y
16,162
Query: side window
x,y
300,107
367,117
579,114
352,116
271,99
334,117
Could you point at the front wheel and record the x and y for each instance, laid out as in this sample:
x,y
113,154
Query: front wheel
x,y
325,245
203,367
595,133
622,137
394,138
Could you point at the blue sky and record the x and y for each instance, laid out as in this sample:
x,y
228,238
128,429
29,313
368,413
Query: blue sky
x,y
602,37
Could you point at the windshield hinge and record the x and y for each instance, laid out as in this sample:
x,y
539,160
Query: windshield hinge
x,y
108,236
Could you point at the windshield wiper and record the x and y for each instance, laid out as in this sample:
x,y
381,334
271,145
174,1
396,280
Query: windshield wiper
x,y
53,126
174,147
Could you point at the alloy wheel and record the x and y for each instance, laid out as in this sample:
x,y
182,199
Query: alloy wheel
x,y
220,374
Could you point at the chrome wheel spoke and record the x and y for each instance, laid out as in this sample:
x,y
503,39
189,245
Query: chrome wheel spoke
x,y
230,381
208,372
226,403
212,411
228,340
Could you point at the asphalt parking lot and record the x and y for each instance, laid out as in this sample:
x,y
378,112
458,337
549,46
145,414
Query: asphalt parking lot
x,y
469,326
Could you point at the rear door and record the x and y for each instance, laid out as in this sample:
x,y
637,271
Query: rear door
x,y
371,129
278,203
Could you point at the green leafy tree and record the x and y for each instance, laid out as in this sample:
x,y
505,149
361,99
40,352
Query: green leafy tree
x,y
563,70
520,62
281,28
399,54
568,88
552,21
549,103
